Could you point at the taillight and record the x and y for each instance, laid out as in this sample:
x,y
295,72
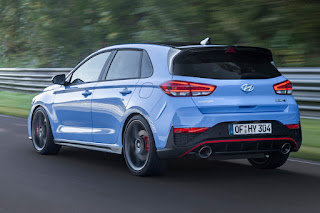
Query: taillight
x,y
293,126
283,88
190,130
186,89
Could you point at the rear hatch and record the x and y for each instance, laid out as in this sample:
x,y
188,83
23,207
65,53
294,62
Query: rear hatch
x,y
243,76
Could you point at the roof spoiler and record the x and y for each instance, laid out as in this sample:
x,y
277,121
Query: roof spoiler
x,y
227,48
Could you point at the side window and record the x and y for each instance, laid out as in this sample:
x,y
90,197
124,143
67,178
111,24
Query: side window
x,y
146,66
90,70
125,65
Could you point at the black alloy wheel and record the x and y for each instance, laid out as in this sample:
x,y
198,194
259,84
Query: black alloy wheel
x,y
139,148
42,137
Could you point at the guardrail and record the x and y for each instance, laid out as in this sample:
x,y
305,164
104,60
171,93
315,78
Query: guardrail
x,y
30,80
306,84
306,89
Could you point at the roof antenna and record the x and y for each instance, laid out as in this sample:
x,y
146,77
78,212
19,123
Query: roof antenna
x,y
206,41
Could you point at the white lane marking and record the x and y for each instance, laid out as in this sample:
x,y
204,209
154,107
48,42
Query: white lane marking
x,y
306,162
10,116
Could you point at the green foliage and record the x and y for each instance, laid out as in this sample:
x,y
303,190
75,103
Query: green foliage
x,y
51,33
14,103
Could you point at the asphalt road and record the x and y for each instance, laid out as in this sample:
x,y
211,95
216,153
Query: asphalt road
x,y
79,180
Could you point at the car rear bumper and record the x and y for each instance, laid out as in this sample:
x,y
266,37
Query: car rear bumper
x,y
223,144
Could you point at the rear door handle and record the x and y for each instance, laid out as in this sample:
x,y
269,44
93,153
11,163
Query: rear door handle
x,y
86,93
125,91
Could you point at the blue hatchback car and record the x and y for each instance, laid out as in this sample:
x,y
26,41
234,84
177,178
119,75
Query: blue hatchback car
x,y
154,102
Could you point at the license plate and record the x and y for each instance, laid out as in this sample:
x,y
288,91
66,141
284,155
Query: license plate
x,y
250,129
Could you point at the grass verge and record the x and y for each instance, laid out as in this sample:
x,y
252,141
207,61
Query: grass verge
x,y
14,103
310,148
18,104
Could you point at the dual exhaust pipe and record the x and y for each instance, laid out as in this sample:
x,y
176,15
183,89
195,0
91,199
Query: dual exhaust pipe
x,y
286,148
205,151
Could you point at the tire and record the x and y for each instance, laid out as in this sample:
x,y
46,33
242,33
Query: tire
x,y
139,149
42,138
271,161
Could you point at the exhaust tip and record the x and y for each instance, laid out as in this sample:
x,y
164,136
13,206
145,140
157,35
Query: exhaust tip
x,y
205,152
286,148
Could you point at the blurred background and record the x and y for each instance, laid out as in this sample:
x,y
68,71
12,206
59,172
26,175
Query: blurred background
x,y
51,33
42,38
39,39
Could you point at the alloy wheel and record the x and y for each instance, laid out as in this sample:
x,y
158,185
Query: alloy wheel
x,y
137,149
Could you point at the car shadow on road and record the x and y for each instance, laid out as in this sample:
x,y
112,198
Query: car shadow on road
x,y
178,169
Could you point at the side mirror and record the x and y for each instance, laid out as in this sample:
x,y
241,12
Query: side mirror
x,y
59,79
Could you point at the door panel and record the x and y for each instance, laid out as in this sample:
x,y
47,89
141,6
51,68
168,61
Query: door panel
x,y
72,103
112,96
109,103
72,110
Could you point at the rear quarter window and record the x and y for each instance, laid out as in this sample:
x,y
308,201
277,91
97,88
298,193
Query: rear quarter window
x,y
146,66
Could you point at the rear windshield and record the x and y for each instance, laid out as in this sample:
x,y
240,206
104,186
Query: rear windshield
x,y
217,64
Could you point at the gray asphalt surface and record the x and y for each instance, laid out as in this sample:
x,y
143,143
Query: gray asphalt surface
x,y
79,180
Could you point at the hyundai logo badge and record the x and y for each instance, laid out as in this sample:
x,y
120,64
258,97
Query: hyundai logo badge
x,y
247,87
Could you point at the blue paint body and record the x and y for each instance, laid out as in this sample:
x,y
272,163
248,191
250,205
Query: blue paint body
x,y
99,116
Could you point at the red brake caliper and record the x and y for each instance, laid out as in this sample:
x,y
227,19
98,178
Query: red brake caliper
x,y
37,130
146,143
